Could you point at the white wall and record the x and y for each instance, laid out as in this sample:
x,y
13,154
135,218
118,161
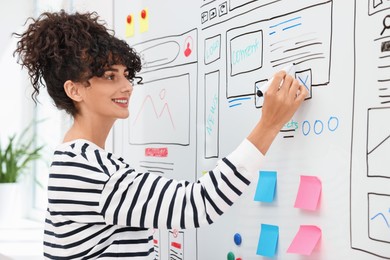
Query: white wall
x,y
14,87
16,105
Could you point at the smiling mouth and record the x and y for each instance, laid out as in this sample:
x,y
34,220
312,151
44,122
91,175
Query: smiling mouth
x,y
121,102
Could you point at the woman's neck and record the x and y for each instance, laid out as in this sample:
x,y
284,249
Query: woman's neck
x,y
95,131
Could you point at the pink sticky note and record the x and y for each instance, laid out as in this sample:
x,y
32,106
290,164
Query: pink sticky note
x,y
309,193
305,240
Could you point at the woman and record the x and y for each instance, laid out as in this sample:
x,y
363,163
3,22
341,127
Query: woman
x,y
98,206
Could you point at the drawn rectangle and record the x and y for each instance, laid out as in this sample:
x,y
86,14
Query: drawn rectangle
x,y
378,142
379,217
246,52
211,114
212,49
160,112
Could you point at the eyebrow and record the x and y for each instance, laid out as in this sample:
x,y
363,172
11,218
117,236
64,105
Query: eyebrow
x,y
116,70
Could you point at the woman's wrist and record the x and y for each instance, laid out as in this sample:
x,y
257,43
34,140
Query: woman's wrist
x,y
262,136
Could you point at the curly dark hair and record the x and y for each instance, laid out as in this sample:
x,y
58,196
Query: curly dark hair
x,y
58,46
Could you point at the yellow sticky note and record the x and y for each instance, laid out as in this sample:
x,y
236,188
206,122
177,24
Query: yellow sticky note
x,y
129,26
144,20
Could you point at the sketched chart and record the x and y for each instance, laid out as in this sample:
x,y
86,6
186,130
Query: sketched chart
x,y
256,48
160,112
379,217
378,142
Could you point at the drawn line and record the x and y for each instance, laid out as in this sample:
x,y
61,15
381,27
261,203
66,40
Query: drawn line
x,y
303,46
383,80
292,26
148,97
384,218
237,99
384,140
160,168
156,162
234,105
292,19
287,130
155,171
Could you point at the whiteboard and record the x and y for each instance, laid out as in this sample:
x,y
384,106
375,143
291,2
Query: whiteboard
x,y
203,62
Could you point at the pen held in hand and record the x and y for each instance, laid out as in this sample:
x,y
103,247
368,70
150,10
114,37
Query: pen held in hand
x,y
290,69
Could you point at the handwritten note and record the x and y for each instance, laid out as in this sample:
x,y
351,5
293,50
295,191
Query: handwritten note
x,y
309,193
305,240
268,241
266,186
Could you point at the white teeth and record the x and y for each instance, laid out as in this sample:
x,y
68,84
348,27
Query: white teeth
x,y
122,101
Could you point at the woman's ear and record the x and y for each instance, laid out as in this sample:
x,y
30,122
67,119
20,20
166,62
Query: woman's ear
x,y
72,89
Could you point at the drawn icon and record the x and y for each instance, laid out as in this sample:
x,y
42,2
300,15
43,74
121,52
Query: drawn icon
x,y
205,16
305,79
213,13
188,43
386,23
223,9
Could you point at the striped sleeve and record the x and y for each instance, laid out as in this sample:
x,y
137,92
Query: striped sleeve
x,y
150,201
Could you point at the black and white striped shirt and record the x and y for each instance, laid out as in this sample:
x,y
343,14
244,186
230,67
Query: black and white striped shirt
x,y
99,207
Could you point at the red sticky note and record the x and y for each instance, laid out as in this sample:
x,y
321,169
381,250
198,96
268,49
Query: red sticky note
x,y
305,240
309,193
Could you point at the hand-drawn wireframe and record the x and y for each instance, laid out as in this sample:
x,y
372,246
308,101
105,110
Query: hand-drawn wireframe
x,y
276,42
370,167
161,128
218,69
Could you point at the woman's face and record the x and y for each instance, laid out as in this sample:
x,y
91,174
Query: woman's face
x,y
107,96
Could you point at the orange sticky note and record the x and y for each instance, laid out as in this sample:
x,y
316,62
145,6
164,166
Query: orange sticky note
x,y
144,20
305,240
309,193
129,26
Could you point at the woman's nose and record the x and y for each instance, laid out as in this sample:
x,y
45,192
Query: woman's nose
x,y
128,86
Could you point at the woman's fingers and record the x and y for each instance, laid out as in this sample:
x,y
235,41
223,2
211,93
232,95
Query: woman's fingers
x,y
277,80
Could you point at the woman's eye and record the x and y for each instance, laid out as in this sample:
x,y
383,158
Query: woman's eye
x,y
110,77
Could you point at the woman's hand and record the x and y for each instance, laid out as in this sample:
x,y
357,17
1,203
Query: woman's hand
x,y
281,101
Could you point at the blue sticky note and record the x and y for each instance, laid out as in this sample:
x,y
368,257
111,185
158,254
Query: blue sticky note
x,y
266,186
268,241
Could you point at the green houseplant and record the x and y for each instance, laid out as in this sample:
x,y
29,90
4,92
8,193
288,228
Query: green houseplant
x,y
16,156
